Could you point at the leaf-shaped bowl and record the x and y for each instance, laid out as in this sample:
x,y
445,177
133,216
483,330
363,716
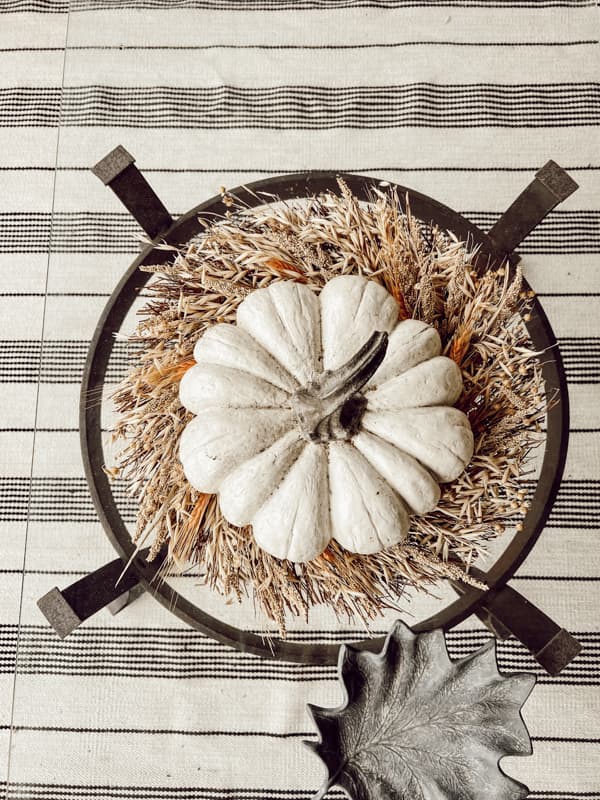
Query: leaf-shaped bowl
x,y
414,724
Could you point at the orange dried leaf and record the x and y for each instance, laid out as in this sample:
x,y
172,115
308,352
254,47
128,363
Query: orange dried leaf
x,y
459,347
394,289
198,511
328,555
182,547
403,312
285,266
171,374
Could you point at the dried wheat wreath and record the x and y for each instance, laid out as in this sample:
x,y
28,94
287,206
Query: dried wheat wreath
x,y
479,317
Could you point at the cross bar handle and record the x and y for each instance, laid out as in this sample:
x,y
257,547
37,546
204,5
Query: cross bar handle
x,y
550,187
118,171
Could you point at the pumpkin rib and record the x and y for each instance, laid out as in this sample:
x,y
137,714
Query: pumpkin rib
x,y
357,494
402,471
435,382
403,355
394,427
215,443
295,524
345,323
207,386
316,329
262,315
259,478
300,354
231,341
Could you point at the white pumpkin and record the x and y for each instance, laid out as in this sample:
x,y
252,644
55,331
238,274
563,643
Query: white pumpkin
x,y
323,416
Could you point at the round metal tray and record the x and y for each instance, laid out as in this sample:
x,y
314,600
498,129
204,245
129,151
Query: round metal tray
x,y
301,186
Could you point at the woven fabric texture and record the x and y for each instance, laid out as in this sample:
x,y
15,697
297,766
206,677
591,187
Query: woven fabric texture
x,y
462,100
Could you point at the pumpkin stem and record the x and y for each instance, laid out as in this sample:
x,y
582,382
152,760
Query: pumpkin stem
x,y
331,407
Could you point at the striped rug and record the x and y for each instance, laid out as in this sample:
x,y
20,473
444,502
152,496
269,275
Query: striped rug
x,y
462,100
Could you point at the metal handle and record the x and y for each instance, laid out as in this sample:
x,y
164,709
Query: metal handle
x,y
550,187
108,586
118,171
552,646
507,613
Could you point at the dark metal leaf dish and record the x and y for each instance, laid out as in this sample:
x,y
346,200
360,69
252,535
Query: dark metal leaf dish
x,y
415,725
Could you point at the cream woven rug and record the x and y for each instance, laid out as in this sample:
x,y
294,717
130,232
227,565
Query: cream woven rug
x,y
462,100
